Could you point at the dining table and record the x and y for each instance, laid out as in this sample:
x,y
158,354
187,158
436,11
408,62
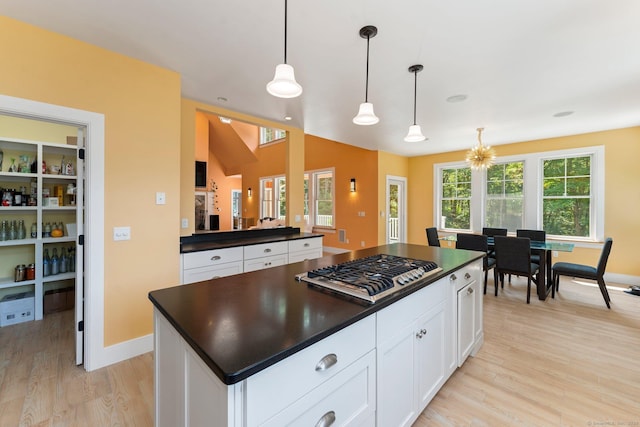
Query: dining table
x,y
546,249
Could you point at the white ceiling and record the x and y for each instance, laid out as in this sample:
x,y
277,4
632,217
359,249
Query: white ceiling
x,y
518,61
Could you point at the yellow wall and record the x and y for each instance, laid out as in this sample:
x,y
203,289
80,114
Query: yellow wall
x,y
349,162
394,165
141,105
622,204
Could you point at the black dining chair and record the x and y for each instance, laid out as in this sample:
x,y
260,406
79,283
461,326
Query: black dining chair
x,y
513,256
585,272
477,242
491,232
536,236
432,236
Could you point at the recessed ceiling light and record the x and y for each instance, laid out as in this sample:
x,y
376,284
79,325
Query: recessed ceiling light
x,y
457,98
222,99
225,120
563,114
287,118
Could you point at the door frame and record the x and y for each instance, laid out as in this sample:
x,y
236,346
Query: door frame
x,y
402,214
94,350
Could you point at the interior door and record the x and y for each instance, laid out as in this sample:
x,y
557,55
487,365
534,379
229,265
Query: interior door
x,y
396,209
79,303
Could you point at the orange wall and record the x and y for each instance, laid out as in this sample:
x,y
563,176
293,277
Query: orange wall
x,y
349,162
141,105
622,203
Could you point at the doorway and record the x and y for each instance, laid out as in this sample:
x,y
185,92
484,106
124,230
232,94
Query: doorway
x,y
236,208
396,209
89,325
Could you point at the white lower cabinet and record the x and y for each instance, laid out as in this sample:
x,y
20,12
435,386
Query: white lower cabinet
x,y
207,265
412,354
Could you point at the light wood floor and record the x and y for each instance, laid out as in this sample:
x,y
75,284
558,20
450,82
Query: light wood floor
x,y
562,362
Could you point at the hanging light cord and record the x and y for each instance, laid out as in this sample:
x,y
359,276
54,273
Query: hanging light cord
x,y
366,85
415,96
285,31
479,134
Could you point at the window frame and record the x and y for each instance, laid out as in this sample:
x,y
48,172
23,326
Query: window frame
x,y
275,202
263,135
312,176
533,190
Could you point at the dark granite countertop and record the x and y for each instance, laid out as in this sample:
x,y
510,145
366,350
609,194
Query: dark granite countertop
x,y
242,324
229,239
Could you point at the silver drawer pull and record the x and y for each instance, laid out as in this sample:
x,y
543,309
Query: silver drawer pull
x,y
326,362
306,245
266,251
467,276
216,258
469,291
327,419
453,277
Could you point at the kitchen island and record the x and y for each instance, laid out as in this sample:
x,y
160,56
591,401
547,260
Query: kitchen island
x,y
262,348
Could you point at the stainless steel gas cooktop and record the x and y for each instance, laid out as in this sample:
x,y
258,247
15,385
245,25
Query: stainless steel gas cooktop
x,y
372,278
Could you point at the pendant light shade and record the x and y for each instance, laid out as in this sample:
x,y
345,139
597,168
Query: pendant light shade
x,y
415,133
366,116
481,156
284,83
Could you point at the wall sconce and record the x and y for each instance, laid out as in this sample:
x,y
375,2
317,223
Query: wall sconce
x,y
352,185
249,192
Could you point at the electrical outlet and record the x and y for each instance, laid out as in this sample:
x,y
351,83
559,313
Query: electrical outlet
x,y
161,198
362,243
184,223
121,233
555,254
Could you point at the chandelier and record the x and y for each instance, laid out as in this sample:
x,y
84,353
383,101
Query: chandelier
x,y
481,156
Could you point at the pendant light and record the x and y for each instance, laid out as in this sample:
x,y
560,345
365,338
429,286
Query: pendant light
x,y
481,156
415,133
284,83
366,116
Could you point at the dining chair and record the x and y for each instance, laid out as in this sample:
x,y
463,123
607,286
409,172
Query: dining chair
x,y
513,256
432,236
584,272
536,236
491,232
477,242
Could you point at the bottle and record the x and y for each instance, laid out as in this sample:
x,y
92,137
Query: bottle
x,y
22,231
13,233
47,230
72,259
4,231
64,260
55,262
34,231
46,263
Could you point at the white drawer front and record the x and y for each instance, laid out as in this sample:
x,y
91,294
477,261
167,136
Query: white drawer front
x,y
212,257
297,375
465,275
265,249
265,262
304,255
207,273
305,244
347,399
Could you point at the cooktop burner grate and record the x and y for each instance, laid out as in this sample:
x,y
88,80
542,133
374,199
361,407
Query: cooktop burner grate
x,y
371,278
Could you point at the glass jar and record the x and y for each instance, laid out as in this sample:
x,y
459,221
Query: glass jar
x,y
31,272
13,232
4,231
34,231
22,231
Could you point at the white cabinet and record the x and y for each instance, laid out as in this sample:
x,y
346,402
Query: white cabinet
x,y
265,255
36,170
304,249
412,352
206,265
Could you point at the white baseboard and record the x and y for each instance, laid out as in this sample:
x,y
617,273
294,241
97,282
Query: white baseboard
x,y
622,279
123,351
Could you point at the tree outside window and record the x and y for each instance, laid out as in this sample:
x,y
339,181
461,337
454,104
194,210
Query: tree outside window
x,y
505,196
456,198
567,196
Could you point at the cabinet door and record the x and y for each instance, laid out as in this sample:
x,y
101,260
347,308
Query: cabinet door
x,y
266,262
466,321
397,386
431,354
207,273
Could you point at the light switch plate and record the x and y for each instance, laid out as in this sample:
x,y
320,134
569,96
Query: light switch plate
x,y
121,233
161,198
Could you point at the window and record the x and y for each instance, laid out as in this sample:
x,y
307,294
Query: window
x,y
504,206
272,197
567,196
455,203
319,204
561,192
268,135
